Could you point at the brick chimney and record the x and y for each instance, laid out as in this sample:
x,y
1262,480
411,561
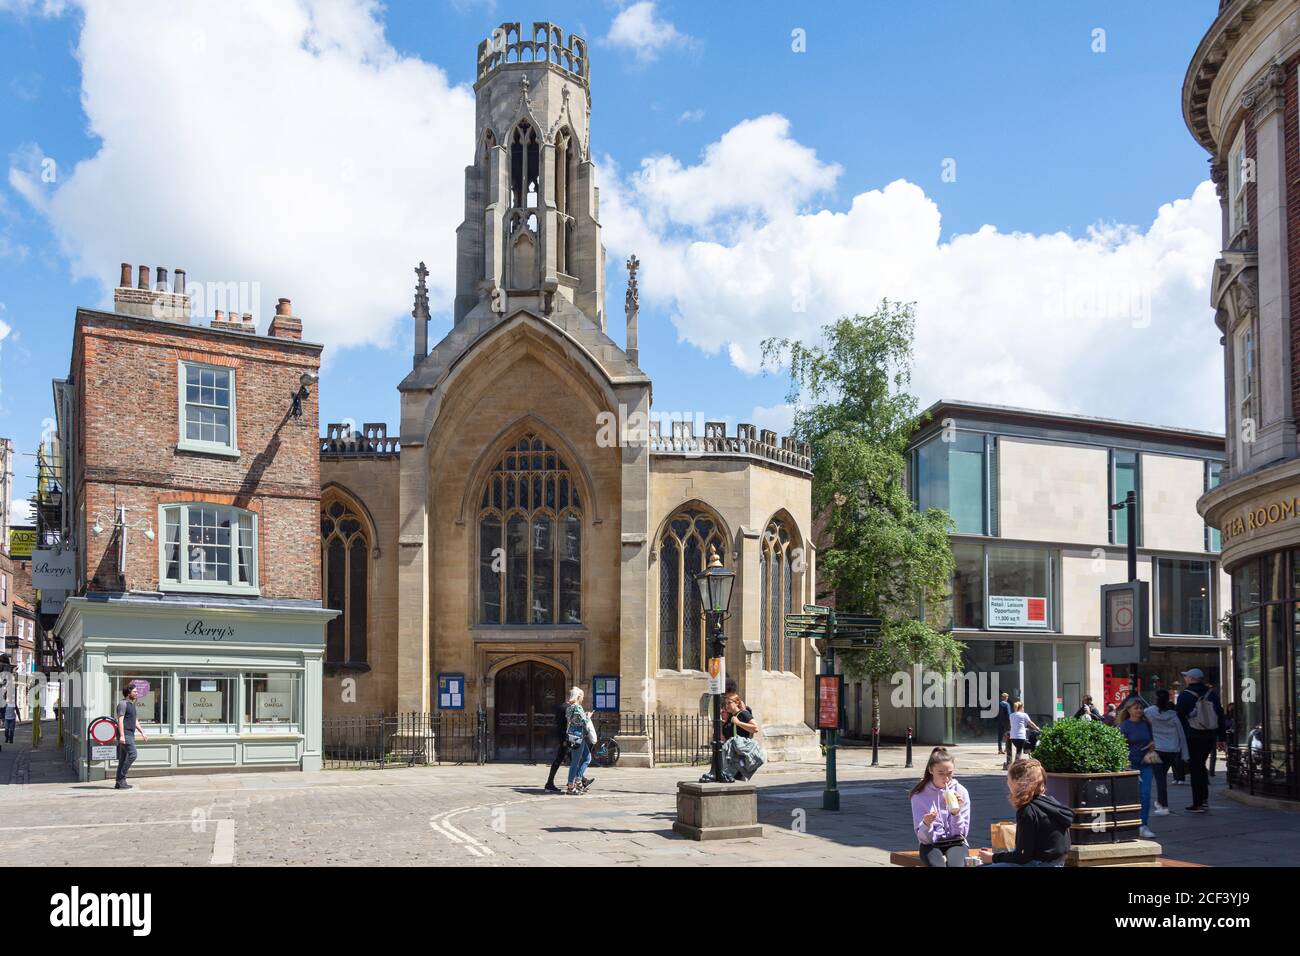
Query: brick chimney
x,y
233,322
152,300
285,325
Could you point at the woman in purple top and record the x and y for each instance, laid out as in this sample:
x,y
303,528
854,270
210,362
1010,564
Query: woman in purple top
x,y
1139,733
941,813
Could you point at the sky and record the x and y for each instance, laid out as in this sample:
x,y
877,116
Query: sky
x,y
1021,171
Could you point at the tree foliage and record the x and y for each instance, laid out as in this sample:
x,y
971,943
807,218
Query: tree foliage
x,y
877,554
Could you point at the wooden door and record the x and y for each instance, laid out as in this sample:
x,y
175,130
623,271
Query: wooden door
x,y
527,695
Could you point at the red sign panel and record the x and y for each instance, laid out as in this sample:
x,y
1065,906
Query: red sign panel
x,y
1118,685
829,691
1036,610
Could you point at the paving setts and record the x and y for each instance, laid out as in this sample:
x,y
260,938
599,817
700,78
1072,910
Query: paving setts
x,y
498,815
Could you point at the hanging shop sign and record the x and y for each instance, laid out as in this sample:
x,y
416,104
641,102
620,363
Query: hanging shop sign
x,y
22,542
53,569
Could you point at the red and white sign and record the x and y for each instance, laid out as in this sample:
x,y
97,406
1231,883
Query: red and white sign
x,y
1006,610
1117,685
103,730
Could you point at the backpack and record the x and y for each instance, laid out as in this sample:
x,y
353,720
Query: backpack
x,y
1203,716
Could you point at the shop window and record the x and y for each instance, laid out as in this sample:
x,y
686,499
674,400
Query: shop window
x,y
953,475
1125,476
207,408
272,701
683,553
530,539
345,580
1019,588
1183,599
208,548
967,585
207,701
777,555
152,708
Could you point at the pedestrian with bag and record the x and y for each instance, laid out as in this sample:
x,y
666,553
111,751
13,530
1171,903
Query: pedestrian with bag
x,y
1142,755
1171,745
580,735
1087,711
127,728
561,749
742,755
1199,709
941,813
1042,824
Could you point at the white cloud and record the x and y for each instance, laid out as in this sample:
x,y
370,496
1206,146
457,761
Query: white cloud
x,y
779,418
690,116
290,146
638,28
1114,322
21,512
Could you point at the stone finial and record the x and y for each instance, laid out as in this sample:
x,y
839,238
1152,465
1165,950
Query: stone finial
x,y
421,314
632,306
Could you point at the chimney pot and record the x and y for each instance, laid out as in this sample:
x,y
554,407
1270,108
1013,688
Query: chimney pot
x,y
284,307
218,316
143,282
178,285
125,281
248,318
161,279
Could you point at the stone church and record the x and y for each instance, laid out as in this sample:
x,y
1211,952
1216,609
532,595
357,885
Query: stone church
x,y
535,527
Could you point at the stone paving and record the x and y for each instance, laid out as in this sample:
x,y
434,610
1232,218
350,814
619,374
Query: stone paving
x,y
499,815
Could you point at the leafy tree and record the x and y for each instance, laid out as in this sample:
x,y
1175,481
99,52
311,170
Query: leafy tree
x,y
877,554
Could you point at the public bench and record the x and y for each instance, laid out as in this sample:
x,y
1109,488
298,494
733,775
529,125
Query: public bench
x,y
913,858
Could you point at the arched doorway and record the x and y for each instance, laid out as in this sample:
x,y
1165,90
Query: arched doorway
x,y
527,696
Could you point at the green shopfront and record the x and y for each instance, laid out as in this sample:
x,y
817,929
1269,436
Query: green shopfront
x,y
231,683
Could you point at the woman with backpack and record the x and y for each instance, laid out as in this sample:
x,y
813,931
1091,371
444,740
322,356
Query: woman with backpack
x,y
580,735
1171,745
941,813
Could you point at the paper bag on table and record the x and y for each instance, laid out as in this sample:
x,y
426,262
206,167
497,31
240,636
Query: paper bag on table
x,y
1003,835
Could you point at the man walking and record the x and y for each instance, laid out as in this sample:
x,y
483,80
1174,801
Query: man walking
x,y
11,713
127,728
1202,716
1004,721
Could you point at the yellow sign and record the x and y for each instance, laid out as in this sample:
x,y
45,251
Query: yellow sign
x,y
21,542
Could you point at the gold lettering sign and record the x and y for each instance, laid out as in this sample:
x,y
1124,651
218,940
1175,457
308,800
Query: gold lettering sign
x,y
1260,517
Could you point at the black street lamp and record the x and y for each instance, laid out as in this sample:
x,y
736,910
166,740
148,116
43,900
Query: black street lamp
x,y
715,583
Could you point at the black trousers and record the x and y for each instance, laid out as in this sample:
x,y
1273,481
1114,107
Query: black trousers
x,y
126,754
1003,730
561,757
1199,748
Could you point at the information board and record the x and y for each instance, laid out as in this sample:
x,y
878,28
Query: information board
x,y
830,690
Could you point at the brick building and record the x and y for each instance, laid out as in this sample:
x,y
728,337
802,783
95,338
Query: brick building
x,y
190,532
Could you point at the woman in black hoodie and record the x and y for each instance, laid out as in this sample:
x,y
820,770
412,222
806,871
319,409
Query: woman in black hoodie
x,y
1042,824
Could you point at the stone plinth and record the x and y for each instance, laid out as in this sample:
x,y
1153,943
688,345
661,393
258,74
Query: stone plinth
x,y
1129,853
717,811
634,750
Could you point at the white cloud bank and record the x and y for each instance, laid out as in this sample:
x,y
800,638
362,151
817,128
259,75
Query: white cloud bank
x,y
285,144
1115,322
639,29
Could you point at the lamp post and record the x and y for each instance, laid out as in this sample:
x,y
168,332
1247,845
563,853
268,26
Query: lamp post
x,y
715,583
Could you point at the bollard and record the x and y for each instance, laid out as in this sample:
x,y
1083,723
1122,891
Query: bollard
x,y
875,746
909,748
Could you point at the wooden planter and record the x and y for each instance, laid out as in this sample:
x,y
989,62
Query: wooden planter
x,y
1107,806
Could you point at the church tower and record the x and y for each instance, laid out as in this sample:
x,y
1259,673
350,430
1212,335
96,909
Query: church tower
x,y
531,233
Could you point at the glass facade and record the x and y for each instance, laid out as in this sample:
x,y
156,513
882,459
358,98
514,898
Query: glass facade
x,y
1265,612
1124,477
1003,587
1183,604
951,474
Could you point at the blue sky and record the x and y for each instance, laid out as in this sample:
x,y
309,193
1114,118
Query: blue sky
x,y
1077,159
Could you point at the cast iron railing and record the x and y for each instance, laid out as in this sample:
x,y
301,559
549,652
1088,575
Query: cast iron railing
x,y
1256,773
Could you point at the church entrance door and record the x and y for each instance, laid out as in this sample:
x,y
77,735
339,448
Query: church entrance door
x,y
527,696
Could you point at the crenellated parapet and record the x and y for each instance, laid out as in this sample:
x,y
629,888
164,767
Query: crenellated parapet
x,y
372,441
509,45
748,442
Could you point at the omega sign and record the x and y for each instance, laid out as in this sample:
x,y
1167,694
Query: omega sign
x,y
199,629
1261,517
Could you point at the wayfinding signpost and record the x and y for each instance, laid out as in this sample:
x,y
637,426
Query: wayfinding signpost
x,y
840,632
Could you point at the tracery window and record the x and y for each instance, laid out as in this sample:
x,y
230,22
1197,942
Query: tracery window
x,y
345,571
683,553
776,586
530,539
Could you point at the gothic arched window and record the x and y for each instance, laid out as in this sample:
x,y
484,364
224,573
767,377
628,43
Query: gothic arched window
x,y
776,586
345,571
683,553
530,539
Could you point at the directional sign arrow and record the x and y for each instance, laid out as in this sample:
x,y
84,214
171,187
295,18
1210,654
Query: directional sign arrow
x,y
816,609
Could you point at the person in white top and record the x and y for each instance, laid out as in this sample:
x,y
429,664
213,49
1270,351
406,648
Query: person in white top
x,y
1020,727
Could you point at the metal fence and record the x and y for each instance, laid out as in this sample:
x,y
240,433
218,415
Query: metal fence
x,y
410,739
1256,773
419,739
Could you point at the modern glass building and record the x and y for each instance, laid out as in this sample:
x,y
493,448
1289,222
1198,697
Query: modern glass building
x,y
1035,537
1240,103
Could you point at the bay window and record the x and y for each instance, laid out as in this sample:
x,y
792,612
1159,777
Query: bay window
x,y
208,548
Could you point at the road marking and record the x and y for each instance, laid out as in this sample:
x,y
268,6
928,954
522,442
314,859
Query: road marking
x,y
80,826
223,844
